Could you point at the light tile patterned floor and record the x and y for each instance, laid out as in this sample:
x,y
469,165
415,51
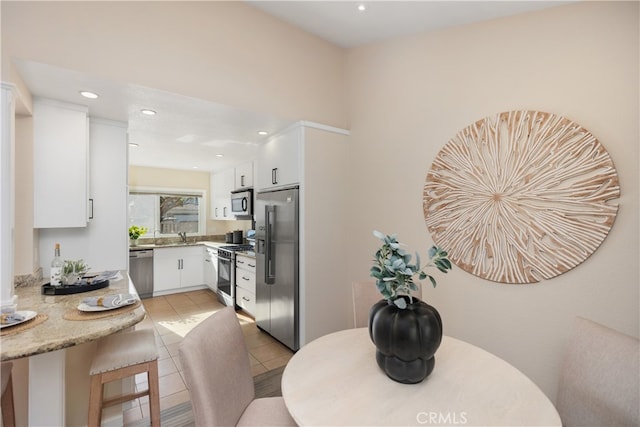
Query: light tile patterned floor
x,y
172,317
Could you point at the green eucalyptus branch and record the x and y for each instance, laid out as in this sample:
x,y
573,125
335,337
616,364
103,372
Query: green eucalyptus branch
x,y
394,272
71,266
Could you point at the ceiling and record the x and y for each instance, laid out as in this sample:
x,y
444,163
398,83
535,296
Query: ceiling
x,y
189,133
341,23
185,133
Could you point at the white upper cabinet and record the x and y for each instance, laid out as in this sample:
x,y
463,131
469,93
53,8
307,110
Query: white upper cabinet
x,y
278,161
244,176
107,228
221,186
60,164
104,242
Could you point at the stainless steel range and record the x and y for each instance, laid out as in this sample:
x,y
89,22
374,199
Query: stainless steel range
x,y
227,273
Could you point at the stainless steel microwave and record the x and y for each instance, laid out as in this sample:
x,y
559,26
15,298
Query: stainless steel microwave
x,y
242,203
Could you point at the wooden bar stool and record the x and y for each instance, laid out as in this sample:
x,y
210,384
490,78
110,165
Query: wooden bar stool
x,y
119,356
8,411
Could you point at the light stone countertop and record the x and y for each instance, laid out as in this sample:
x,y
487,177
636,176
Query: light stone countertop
x,y
57,333
207,243
146,246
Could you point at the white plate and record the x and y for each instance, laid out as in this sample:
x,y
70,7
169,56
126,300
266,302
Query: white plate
x,y
28,315
89,308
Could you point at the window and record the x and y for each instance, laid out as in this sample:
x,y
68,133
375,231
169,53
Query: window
x,y
167,213
179,214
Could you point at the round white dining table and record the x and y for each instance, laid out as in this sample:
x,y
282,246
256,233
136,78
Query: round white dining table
x,y
335,381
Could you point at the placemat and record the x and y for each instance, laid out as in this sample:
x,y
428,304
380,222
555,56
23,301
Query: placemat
x,y
12,330
75,314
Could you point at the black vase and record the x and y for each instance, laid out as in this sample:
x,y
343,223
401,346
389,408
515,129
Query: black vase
x,y
406,339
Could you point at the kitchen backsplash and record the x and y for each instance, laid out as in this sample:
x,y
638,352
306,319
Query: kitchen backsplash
x,y
190,239
23,280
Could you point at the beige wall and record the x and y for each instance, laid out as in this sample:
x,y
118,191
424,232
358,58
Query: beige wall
x,y
325,294
26,242
226,52
192,180
408,97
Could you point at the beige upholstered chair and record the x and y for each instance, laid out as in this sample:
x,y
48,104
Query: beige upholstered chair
x,y
365,294
8,410
600,378
217,372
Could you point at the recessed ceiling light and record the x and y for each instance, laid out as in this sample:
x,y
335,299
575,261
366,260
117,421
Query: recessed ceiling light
x,y
88,94
362,7
194,167
219,155
148,112
133,144
263,132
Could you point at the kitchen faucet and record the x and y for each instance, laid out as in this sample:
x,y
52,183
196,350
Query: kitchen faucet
x,y
183,236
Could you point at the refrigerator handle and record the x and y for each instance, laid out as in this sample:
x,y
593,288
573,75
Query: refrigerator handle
x,y
270,267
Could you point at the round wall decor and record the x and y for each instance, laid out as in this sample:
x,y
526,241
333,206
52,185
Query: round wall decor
x,y
521,196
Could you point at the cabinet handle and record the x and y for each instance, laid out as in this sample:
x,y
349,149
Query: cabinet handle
x,y
274,176
245,278
239,262
241,180
91,208
224,211
246,299
251,265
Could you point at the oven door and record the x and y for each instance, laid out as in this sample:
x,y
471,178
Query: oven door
x,y
226,288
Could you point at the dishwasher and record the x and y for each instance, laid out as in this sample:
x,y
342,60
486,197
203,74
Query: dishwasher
x,y
141,271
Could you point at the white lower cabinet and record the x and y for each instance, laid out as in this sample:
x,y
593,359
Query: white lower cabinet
x,y
177,268
246,283
246,300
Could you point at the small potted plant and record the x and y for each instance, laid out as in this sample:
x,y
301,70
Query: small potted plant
x,y
406,331
134,234
72,271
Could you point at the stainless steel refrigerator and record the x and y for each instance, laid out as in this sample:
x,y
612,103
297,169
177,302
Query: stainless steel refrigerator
x,y
277,265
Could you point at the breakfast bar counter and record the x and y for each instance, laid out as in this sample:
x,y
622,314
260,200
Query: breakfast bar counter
x,y
60,343
56,332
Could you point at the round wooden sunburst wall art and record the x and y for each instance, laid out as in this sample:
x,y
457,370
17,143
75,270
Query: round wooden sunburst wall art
x,y
521,197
